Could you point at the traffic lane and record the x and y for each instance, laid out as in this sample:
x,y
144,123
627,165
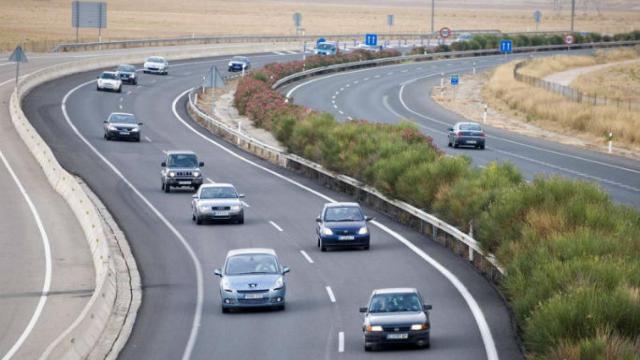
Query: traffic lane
x,y
226,166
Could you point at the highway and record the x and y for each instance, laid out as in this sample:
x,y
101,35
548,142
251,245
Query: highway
x,y
389,94
180,315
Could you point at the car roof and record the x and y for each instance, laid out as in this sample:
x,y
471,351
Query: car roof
x,y
342,204
251,251
216,185
467,123
181,152
110,72
395,291
156,57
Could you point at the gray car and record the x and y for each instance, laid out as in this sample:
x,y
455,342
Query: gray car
x,y
252,278
127,74
396,316
217,202
122,126
181,169
466,134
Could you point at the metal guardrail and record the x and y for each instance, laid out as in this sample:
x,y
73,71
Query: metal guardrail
x,y
288,160
221,39
434,56
573,94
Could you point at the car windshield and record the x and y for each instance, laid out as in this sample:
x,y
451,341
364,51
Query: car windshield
x,y
218,192
326,46
182,161
252,264
122,118
470,127
385,303
106,75
126,68
155,60
344,213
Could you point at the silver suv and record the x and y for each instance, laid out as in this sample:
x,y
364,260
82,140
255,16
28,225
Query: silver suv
x,y
181,169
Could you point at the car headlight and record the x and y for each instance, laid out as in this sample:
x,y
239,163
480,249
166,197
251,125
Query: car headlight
x,y
230,64
112,128
326,231
203,208
373,328
279,284
172,174
235,208
363,231
196,174
419,327
226,285
135,130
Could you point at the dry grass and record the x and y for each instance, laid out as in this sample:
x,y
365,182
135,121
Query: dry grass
x,y
548,65
617,82
554,112
42,23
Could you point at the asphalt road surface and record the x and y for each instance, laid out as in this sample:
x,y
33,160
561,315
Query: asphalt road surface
x,y
180,314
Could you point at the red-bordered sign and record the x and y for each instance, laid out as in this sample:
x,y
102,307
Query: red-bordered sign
x,y
445,32
569,39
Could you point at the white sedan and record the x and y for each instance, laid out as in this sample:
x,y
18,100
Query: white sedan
x,y
156,65
109,80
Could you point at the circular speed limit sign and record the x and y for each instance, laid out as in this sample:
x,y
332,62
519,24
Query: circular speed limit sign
x,y
445,32
568,39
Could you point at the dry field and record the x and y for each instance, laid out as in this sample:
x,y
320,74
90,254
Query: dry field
x,y
617,82
40,24
544,66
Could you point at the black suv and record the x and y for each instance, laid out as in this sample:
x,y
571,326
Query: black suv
x,y
181,169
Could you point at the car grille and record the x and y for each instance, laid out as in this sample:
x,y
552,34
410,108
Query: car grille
x,y
392,328
220,208
344,232
123,129
184,173
252,291
253,301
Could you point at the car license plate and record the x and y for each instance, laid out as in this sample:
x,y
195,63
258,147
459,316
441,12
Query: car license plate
x,y
397,336
471,141
253,296
184,182
220,213
346,237
124,133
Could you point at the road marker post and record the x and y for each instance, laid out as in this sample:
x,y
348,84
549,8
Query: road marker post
x,y
484,114
474,68
610,139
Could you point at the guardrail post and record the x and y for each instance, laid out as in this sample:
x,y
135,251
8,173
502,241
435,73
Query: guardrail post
x,y
239,131
471,235
434,233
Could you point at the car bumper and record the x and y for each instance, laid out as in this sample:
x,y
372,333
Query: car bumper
x,y
155,71
469,141
128,80
339,241
121,135
228,215
108,87
382,337
233,300
177,182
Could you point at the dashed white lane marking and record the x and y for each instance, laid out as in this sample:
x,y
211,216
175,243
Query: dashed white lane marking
x,y
276,226
335,106
121,99
306,256
333,97
47,263
211,181
355,82
129,92
341,89
245,204
330,293
377,76
120,107
405,70
333,102
291,52
348,85
390,73
278,53
341,341
147,138
366,79
341,113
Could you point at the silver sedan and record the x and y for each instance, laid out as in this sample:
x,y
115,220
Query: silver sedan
x,y
217,202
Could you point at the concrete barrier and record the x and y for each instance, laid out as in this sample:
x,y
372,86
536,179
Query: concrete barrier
x,y
105,323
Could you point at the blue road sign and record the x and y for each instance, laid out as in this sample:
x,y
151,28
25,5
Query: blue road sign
x,y
537,16
371,39
506,46
320,40
455,79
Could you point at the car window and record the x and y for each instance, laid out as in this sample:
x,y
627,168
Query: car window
x,y
470,127
156,60
239,58
122,118
108,76
344,213
252,264
222,192
182,160
384,303
326,46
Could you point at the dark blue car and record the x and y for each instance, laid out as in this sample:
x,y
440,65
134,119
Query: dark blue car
x,y
342,225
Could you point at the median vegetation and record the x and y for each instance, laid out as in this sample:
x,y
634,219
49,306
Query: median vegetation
x,y
571,254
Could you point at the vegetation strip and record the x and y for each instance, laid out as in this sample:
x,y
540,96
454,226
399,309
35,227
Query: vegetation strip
x,y
571,254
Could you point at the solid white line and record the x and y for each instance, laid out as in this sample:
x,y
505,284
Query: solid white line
x,y
276,226
47,263
306,256
341,341
211,181
478,315
196,263
330,293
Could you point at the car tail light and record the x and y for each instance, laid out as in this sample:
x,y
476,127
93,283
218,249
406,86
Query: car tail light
x,y
481,134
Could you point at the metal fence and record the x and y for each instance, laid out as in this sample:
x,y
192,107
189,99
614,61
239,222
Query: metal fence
x,y
573,94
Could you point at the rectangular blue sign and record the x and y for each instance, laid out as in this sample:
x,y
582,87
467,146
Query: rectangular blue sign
x,y
506,46
371,39
455,79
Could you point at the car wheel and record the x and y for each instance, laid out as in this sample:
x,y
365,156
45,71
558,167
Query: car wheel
x,y
97,87
137,139
369,347
198,220
455,145
119,89
449,144
280,307
225,310
366,247
167,188
482,147
322,247
241,219
135,82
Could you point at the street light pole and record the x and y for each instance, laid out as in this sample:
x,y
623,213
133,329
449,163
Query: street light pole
x,y
573,13
433,9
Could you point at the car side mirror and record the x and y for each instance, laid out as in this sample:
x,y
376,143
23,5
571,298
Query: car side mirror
x,y
363,310
217,272
368,218
318,219
285,270
140,123
450,129
163,164
201,164
241,196
426,307
105,122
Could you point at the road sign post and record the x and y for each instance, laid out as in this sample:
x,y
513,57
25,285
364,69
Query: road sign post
x,y
390,20
18,56
297,21
537,17
568,40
